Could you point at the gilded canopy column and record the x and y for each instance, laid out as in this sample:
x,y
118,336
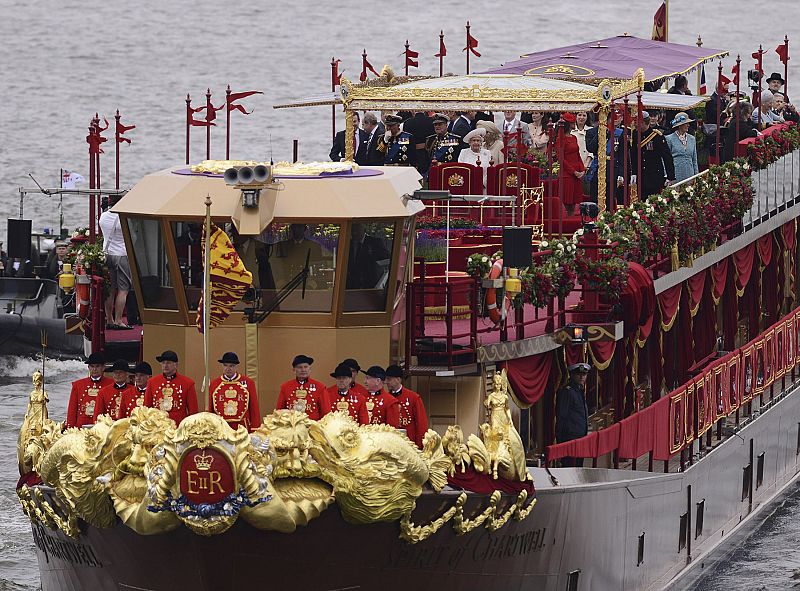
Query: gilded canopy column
x,y
602,163
349,137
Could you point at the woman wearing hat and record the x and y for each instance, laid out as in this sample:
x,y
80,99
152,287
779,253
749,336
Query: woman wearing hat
x,y
683,147
571,169
476,154
492,141
233,396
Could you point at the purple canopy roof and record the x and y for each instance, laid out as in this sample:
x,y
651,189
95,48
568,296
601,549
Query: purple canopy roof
x,y
613,58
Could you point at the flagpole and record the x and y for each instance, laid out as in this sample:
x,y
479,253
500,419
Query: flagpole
x,y
228,122
188,119
333,89
699,43
61,207
666,21
208,123
738,81
90,141
441,57
207,292
760,70
116,150
719,108
786,69
468,48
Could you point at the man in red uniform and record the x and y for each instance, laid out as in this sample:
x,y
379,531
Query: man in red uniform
x,y
171,392
380,406
83,397
110,397
302,393
134,397
233,396
413,419
342,396
354,369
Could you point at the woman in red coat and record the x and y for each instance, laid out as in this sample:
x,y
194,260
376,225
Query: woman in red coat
x,y
571,169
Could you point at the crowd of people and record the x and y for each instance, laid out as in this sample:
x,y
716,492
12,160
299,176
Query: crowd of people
x,y
383,399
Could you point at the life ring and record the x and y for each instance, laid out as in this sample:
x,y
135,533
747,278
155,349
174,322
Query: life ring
x,y
82,292
495,313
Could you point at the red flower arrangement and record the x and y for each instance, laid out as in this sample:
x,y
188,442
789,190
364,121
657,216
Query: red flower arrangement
x,y
773,145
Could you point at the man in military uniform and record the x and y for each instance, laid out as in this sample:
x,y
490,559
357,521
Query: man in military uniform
x,y
83,397
110,397
413,419
443,146
134,397
233,396
171,392
380,407
301,392
572,414
397,146
342,396
355,368
657,164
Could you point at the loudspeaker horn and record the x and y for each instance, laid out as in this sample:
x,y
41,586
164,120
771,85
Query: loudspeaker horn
x,y
261,173
231,176
245,175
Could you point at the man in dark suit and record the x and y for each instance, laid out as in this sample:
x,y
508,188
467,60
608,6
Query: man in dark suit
x,y
367,259
462,124
420,126
339,149
373,130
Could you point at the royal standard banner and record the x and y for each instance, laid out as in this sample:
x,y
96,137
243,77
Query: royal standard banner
x,y
229,279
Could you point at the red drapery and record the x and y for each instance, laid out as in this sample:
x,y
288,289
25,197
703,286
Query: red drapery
x,y
668,303
719,278
585,447
602,352
628,432
764,246
607,440
639,301
661,429
696,284
743,263
529,376
788,232
479,483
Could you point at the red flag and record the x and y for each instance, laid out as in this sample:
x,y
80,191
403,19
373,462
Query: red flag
x,y
735,72
472,44
660,24
783,53
100,137
442,48
411,60
366,66
336,76
120,129
209,120
722,84
235,96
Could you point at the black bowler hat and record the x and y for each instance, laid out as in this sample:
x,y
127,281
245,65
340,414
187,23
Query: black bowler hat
x,y
351,363
394,371
168,356
96,359
342,371
143,367
776,76
376,371
393,120
230,357
120,365
439,118
302,359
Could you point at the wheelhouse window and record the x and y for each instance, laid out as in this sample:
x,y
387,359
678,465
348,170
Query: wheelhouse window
x,y
152,264
368,265
188,246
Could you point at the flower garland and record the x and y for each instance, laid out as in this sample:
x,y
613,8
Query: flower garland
x,y
773,145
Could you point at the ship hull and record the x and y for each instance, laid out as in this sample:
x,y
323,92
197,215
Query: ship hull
x,y
588,528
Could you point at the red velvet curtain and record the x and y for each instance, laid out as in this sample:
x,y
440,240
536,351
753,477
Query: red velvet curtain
x,y
719,278
529,376
638,301
696,285
788,232
668,302
479,483
661,429
743,263
764,247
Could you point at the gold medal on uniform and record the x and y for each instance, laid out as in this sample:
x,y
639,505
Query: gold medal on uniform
x,y
166,400
140,400
92,391
300,393
230,393
342,405
89,408
300,405
230,408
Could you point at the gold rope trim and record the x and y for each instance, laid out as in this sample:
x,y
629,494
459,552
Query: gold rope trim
x,y
602,366
438,312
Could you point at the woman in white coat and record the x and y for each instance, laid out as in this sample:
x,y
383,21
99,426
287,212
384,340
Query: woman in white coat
x,y
476,154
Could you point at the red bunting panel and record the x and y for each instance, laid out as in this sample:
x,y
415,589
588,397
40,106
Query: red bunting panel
x,y
628,433
719,388
661,427
529,376
696,284
585,447
677,420
743,264
769,357
734,382
748,372
608,440
690,411
789,339
668,303
764,246
719,278
788,233
779,352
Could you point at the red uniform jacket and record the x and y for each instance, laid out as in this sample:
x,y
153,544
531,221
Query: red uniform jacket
x,y
412,415
351,402
380,408
236,401
309,396
131,398
110,399
174,395
83,399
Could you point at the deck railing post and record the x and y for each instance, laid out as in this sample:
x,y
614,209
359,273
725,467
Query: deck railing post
x,y
448,317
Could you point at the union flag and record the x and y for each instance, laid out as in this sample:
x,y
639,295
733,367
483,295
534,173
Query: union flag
x,y
660,23
229,279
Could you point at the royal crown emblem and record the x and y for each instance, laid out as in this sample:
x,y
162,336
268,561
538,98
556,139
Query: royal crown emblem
x,y
203,461
512,181
455,180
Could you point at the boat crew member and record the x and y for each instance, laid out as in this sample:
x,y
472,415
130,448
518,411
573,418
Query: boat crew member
x,y
413,419
443,146
342,396
380,407
302,393
110,398
397,146
56,259
657,163
84,393
355,368
171,392
572,414
233,396
134,397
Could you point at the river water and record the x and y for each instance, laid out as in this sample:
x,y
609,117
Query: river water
x,y
64,60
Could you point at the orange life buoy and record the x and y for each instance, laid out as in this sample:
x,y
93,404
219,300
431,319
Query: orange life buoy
x,y
82,296
495,313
